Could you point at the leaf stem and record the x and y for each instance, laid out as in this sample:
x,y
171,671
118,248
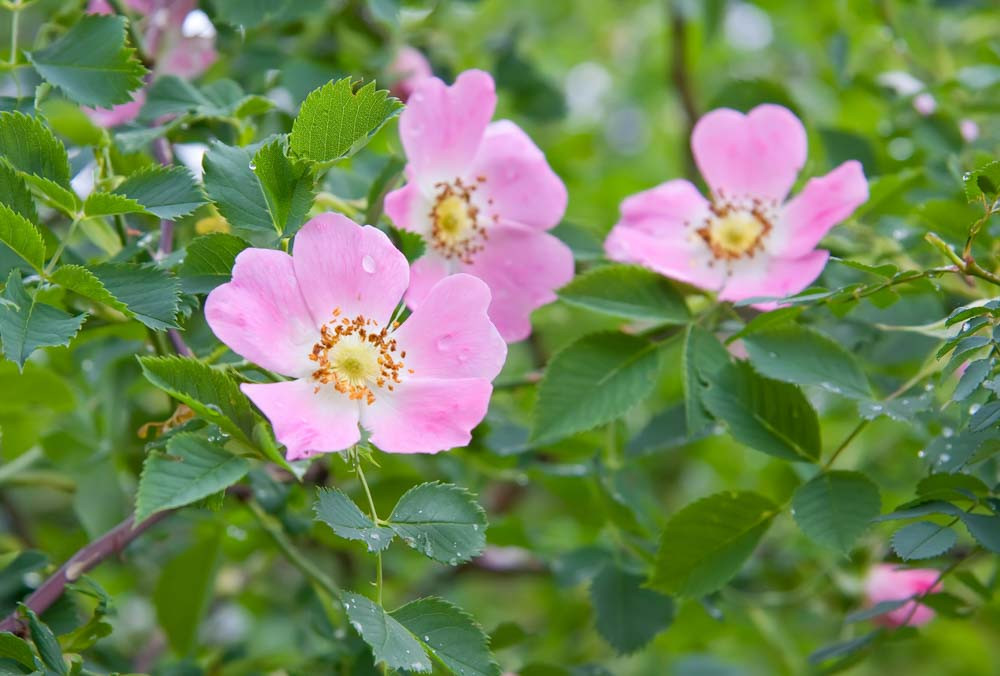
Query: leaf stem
x,y
356,457
62,246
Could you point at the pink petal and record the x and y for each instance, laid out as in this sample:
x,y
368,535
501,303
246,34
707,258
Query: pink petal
x,y
408,209
754,155
450,336
409,68
305,421
342,265
261,314
773,277
442,127
889,583
120,114
824,202
425,273
520,186
523,267
427,415
188,57
666,210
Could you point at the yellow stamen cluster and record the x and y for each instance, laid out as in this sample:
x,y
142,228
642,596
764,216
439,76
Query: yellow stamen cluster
x,y
457,230
354,354
735,230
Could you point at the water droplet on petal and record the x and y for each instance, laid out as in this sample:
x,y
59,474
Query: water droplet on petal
x,y
368,264
444,342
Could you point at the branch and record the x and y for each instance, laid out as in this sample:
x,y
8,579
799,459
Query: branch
x,y
680,78
111,543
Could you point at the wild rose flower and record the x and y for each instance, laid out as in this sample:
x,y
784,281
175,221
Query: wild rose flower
x,y
925,104
746,240
482,195
324,317
888,583
968,129
180,37
408,68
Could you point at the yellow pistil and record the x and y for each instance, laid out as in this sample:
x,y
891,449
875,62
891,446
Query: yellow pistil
x,y
457,227
732,233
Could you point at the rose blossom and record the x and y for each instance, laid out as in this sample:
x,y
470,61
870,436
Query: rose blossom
x,y
889,583
746,240
482,195
324,317
408,69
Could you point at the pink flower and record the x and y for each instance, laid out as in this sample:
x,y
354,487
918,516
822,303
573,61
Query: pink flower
x,y
747,241
179,36
482,195
925,104
889,583
324,317
408,69
968,129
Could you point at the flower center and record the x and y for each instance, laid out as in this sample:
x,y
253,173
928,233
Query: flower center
x,y
732,232
355,356
456,230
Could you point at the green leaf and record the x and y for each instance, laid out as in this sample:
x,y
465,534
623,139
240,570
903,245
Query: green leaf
x,y
627,615
835,508
335,121
110,204
45,641
794,354
442,521
339,512
15,194
766,415
166,192
55,195
210,393
975,374
82,281
231,184
985,528
390,641
209,260
947,486
922,540
706,543
627,291
411,244
983,183
174,96
592,381
702,358
191,469
29,146
151,294
184,590
92,63
449,634
288,186
26,324
18,650
22,237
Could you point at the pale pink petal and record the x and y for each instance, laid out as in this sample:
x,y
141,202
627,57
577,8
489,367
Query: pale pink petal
x,y
261,314
450,336
666,210
442,127
773,277
754,155
427,415
676,255
342,265
519,185
425,273
188,57
408,68
824,202
305,421
120,114
408,208
889,583
523,267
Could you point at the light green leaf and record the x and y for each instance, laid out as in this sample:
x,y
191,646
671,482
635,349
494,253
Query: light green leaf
x,y
15,194
835,508
209,260
22,237
627,291
31,147
184,590
628,616
592,381
288,186
442,521
191,469
983,183
92,63
26,325
335,121
449,634
390,641
236,191
702,358
210,393
339,512
82,281
18,650
45,641
55,195
795,354
706,543
922,540
766,415
110,204
167,192
151,294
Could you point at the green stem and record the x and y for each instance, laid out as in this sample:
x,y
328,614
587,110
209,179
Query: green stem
x,y
15,20
62,247
371,506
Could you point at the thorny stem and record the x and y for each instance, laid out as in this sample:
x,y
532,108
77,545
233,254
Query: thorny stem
x,y
356,457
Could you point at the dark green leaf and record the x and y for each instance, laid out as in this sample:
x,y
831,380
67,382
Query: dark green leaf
x,y
236,191
449,634
45,641
627,291
288,186
339,512
628,616
18,650
442,521
109,204
390,641
166,192
975,374
834,508
151,294
983,183
29,146
26,324
922,540
985,528
15,194
209,260
702,359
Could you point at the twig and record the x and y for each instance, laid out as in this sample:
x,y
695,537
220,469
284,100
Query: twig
x,y
680,78
109,544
